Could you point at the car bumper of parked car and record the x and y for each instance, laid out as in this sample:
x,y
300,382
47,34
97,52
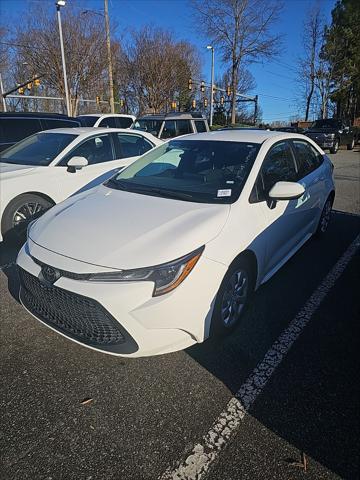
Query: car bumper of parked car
x,y
120,318
323,142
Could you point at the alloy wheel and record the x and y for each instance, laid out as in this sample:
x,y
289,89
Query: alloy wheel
x,y
234,298
25,213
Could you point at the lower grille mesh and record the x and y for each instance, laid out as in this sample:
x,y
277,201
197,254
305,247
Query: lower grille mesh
x,y
79,317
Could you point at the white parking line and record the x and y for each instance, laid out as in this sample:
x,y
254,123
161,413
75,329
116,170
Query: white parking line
x,y
196,464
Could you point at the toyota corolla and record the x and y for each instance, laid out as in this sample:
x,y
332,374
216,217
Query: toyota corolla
x,y
168,251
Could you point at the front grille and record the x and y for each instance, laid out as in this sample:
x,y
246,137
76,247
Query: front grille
x,y
74,315
65,273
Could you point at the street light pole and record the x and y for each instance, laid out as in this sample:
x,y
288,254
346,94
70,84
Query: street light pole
x,y
108,45
59,4
2,94
210,47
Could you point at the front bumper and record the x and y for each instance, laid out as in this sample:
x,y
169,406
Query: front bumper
x,y
120,318
322,141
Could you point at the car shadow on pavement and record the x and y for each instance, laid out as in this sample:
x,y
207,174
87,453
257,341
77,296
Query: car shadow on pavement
x,y
310,400
8,253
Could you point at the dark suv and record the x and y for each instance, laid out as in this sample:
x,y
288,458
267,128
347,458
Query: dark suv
x,y
331,134
172,125
15,126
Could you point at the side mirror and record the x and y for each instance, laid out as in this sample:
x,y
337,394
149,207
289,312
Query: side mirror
x,y
286,191
76,163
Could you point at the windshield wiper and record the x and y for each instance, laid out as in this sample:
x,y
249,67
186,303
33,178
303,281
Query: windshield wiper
x,y
158,192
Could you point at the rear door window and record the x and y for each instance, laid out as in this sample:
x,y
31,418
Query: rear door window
x,y
200,126
108,122
132,145
169,130
307,158
15,129
183,127
123,122
50,123
87,120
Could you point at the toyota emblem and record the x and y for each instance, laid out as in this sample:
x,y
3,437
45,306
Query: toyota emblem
x,y
50,274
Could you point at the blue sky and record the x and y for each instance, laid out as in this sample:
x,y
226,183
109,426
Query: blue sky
x,y
276,78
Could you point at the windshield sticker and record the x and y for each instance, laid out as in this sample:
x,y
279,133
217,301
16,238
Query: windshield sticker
x,y
224,193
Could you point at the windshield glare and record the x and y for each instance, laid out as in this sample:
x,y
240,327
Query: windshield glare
x,y
196,170
39,149
148,125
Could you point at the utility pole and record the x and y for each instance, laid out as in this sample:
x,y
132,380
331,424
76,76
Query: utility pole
x,y
210,47
59,4
108,46
2,94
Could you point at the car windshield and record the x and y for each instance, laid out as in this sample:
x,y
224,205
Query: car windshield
x,y
328,123
87,120
39,149
195,171
148,125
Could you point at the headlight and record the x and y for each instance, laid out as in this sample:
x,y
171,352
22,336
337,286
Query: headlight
x,y
166,277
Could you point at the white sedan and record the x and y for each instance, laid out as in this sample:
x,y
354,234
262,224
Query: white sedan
x,y
47,167
168,251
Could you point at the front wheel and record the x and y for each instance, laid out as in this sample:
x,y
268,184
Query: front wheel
x,y
232,298
335,147
20,212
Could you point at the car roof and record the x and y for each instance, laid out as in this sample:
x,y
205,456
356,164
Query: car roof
x,y
37,115
246,135
92,131
98,115
174,116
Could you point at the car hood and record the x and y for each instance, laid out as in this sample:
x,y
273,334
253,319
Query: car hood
x,y
321,130
9,170
121,230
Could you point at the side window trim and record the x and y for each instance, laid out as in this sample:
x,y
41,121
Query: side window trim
x,y
66,158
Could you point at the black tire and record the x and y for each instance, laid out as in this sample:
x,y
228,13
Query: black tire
x,y
335,148
14,227
325,217
350,146
219,327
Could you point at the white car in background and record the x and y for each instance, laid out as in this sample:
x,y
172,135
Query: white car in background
x,y
168,251
109,120
49,166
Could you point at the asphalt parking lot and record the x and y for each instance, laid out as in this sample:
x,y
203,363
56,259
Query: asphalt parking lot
x,y
72,413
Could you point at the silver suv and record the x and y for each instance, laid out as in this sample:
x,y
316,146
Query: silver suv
x,y
172,125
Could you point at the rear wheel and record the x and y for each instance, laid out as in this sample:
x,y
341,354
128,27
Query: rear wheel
x,y
351,145
232,297
20,212
335,148
325,218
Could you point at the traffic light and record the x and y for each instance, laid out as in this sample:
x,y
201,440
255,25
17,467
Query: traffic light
x,y
222,99
97,100
21,90
173,105
37,82
29,86
202,86
193,103
228,91
122,102
205,102
190,84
